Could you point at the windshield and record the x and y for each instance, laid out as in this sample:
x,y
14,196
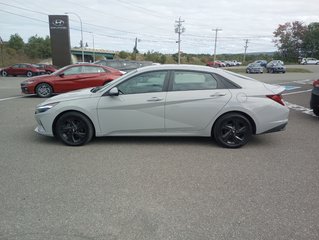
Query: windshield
x,y
114,81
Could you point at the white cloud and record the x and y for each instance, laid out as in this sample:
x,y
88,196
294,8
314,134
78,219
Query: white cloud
x,y
116,23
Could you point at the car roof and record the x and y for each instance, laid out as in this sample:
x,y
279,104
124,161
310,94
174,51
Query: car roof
x,y
179,67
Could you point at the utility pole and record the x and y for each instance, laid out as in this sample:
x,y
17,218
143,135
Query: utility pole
x,y
246,46
216,31
1,43
179,30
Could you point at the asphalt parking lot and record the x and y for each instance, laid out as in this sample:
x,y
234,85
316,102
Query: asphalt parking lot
x,y
160,188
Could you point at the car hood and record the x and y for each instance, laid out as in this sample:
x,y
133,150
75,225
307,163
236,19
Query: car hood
x,y
38,78
78,94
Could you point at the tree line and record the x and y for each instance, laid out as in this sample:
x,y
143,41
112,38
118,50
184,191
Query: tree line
x,y
295,40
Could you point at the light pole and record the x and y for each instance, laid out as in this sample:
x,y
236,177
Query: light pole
x,y
82,43
93,46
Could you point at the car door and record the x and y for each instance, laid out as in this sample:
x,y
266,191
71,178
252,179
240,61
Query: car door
x,y
138,109
193,100
91,76
67,80
14,70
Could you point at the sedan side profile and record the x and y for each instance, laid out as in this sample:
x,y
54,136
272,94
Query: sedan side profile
x,y
70,78
167,100
25,69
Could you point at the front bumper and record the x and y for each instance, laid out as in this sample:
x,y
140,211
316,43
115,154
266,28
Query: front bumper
x,y
27,89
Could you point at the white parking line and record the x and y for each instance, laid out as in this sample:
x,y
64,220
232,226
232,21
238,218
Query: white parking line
x,y
290,93
300,108
9,98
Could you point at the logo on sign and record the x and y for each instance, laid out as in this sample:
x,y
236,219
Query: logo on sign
x,y
58,23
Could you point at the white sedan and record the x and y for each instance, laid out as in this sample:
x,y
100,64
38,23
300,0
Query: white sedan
x,y
167,100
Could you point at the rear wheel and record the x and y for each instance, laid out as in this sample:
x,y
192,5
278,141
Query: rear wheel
x,y
4,73
43,90
232,130
74,129
29,74
316,111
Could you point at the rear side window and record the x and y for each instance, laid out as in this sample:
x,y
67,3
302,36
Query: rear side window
x,y
92,69
186,80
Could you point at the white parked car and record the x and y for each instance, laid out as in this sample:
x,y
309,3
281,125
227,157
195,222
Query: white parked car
x,y
167,100
309,61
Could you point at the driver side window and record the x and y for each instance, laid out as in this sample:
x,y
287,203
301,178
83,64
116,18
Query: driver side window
x,y
144,83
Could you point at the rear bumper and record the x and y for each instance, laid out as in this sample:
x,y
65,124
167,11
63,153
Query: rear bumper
x,y
314,100
281,127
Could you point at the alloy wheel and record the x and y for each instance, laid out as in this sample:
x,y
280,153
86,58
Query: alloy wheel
x,y
74,129
232,130
43,90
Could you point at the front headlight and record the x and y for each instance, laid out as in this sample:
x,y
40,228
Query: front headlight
x,y
27,82
44,108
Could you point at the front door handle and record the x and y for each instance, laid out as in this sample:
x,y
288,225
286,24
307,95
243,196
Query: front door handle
x,y
155,99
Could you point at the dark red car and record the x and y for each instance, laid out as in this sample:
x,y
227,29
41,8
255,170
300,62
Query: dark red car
x,y
25,69
71,77
48,68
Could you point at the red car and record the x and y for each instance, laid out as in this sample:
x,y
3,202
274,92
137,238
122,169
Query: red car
x,y
47,67
26,69
216,64
71,77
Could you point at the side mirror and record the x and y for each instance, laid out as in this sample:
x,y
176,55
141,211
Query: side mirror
x,y
61,75
114,92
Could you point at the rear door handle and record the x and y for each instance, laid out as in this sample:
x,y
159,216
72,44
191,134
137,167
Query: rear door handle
x,y
218,94
155,99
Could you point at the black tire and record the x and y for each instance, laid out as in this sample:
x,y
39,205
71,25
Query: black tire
x,y
232,130
29,74
74,129
247,71
43,90
316,111
4,73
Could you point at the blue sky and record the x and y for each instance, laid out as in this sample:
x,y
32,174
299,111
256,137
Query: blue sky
x,y
115,24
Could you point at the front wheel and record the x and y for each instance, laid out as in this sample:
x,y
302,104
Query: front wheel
x,y
74,129
43,90
232,130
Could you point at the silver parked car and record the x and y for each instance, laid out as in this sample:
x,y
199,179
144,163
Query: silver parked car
x,y
167,100
254,68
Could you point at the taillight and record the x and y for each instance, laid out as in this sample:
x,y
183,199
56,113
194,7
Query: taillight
x,y
316,83
277,98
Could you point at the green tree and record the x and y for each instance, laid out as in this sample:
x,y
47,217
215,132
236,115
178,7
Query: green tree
x,y
38,47
123,55
289,39
16,42
311,41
